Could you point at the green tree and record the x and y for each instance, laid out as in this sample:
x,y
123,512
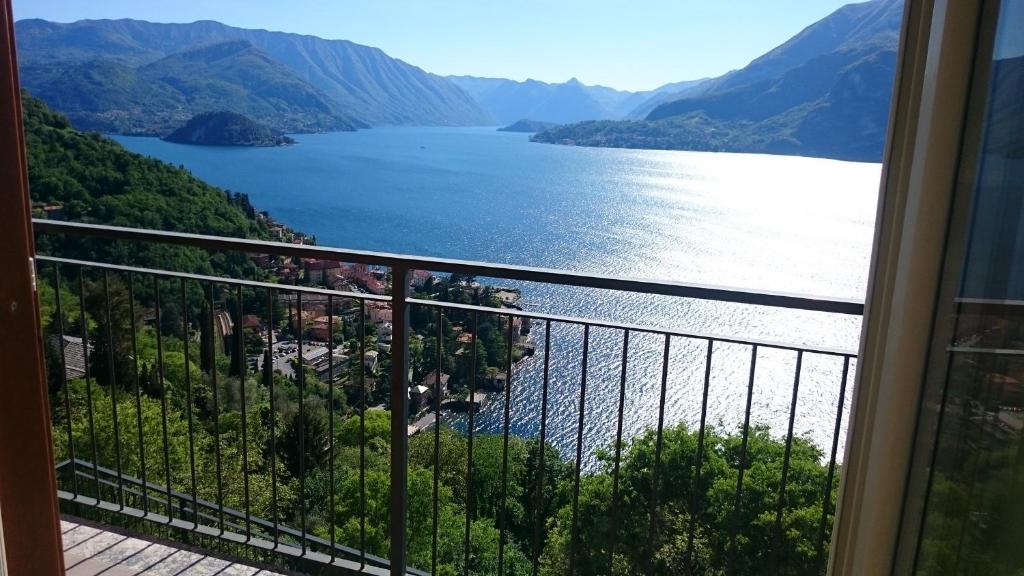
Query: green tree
x,y
306,437
758,545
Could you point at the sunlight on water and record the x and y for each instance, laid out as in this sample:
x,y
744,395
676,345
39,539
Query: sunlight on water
x,y
770,223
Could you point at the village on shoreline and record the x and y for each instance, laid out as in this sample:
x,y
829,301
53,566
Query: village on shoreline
x,y
340,359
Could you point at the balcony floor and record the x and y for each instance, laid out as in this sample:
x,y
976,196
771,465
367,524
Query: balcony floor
x,y
90,551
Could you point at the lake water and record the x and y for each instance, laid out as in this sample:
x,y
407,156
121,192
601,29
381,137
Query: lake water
x,y
762,222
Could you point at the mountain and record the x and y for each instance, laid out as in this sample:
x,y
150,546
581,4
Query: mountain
x,y
803,68
226,129
860,26
825,92
509,100
644,102
247,79
363,85
111,96
525,125
557,103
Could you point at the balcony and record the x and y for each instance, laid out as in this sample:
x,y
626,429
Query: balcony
x,y
93,549
439,427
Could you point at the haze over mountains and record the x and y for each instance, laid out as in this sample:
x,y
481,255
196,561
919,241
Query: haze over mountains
x,y
824,92
559,103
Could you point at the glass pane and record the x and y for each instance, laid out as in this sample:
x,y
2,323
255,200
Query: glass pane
x,y
974,516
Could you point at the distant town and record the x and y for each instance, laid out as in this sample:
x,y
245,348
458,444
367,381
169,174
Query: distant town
x,y
334,363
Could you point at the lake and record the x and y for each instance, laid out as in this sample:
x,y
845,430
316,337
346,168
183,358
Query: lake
x,y
773,223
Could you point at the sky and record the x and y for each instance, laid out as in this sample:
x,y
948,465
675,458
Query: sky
x,y
625,44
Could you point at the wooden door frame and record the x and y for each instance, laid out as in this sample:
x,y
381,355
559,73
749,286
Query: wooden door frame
x,y
28,488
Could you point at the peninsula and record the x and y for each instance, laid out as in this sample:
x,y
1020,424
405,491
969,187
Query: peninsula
x,y
227,129
526,125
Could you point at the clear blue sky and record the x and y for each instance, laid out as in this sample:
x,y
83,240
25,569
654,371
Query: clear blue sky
x,y
626,44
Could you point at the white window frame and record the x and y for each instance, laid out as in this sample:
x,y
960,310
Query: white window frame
x,y
927,122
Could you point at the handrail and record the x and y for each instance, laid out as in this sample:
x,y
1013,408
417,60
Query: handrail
x,y
508,271
561,318
217,279
694,335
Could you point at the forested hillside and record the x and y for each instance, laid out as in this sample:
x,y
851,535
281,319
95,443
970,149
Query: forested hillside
x,y
227,129
94,179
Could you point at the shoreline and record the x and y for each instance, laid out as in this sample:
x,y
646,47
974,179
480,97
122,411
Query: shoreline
x,y
510,299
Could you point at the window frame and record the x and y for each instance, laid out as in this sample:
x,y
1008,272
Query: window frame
x,y
928,119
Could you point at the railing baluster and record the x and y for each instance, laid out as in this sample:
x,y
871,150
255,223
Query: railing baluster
x,y
138,391
539,502
694,492
362,431
111,374
88,382
470,503
399,417
742,465
574,538
268,376
242,375
826,498
216,407
188,402
158,320
330,414
655,473
502,528
613,524
301,379
64,377
437,436
777,553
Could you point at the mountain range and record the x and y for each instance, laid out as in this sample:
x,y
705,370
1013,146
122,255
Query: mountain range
x,y
825,92
558,103
132,76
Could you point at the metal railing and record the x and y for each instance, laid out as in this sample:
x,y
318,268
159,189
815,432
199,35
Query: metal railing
x,y
168,501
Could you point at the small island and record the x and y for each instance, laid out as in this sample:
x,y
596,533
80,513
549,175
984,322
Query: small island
x,y
227,129
525,125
